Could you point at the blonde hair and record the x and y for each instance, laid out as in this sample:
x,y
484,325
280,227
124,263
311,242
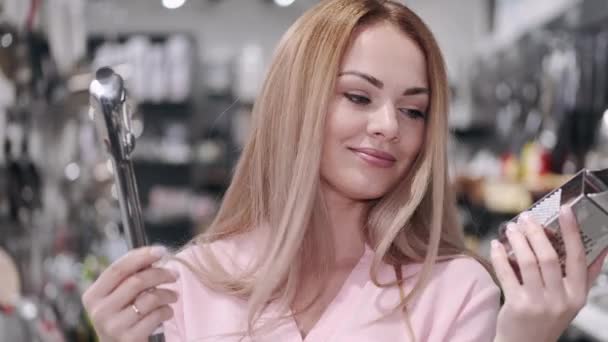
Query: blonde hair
x,y
276,181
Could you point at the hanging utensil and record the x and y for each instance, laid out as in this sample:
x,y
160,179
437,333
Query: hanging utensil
x,y
108,99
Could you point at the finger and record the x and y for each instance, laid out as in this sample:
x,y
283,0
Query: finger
x,y
526,259
127,292
576,263
121,269
596,267
506,276
546,255
135,285
148,324
145,303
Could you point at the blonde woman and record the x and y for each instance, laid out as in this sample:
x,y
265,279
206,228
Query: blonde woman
x,y
340,224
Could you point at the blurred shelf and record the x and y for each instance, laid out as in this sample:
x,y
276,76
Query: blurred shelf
x,y
593,321
561,15
152,161
532,19
173,233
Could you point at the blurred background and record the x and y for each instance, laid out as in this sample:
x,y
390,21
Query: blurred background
x,y
529,109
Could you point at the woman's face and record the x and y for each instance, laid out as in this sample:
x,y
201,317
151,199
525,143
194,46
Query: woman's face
x,y
376,120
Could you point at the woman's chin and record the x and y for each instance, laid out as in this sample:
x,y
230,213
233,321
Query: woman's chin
x,y
358,188
365,193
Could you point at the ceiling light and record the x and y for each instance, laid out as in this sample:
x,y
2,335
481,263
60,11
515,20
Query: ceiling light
x,y
173,4
284,3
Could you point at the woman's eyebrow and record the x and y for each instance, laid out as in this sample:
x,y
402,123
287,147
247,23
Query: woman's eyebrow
x,y
416,91
369,78
379,84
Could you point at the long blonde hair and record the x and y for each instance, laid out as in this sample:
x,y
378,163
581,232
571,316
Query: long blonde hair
x,y
276,181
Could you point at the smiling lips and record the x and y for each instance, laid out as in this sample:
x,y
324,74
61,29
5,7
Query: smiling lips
x,y
375,157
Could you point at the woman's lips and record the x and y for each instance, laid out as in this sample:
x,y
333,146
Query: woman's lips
x,y
375,157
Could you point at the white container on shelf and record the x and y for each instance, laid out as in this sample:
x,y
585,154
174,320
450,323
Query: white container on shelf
x,y
249,72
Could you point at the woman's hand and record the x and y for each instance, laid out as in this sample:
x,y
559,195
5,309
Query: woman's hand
x,y
541,307
124,303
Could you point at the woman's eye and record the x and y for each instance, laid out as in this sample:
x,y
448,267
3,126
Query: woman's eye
x,y
357,99
413,113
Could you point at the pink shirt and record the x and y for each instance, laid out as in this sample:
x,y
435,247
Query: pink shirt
x,y
460,303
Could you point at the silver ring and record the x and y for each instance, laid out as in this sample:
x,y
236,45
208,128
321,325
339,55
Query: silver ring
x,y
135,309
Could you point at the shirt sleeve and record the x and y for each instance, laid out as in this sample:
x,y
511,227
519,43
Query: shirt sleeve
x,y
193,316
476,321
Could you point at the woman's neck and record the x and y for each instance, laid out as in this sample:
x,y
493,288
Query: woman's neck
x,y
346,222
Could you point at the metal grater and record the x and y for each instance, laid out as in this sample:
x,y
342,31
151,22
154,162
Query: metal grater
x,y
587,194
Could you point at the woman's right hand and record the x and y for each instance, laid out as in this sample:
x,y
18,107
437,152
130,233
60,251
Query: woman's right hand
x,y
124,303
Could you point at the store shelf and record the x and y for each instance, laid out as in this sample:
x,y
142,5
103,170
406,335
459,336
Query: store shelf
x,y
531,15
593,321
534,16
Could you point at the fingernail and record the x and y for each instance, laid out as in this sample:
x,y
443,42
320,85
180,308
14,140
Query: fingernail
x,y
495,243
512,227
158,251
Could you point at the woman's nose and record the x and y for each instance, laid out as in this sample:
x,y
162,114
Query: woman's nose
x,y
383,123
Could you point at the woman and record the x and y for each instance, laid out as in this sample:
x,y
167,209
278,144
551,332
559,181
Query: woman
x,y
339,224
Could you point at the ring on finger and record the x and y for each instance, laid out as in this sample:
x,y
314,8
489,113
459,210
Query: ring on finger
x,y
135,309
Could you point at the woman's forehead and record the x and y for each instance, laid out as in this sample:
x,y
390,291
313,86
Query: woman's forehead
x,y
388,54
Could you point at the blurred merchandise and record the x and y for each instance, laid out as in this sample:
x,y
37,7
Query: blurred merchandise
x,y
249,73
66,32
154,71
168,204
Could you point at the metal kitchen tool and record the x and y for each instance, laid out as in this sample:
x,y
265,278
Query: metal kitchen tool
x,y
108,98
587,194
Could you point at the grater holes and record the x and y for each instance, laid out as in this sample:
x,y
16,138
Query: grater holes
x,y
588,242
544,210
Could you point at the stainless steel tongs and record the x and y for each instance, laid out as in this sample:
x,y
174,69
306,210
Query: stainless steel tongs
x,y
108,99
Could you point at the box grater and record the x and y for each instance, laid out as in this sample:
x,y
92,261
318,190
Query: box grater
x,y
587,194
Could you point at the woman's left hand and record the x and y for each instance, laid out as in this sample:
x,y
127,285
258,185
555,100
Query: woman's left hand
x,y
542,305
